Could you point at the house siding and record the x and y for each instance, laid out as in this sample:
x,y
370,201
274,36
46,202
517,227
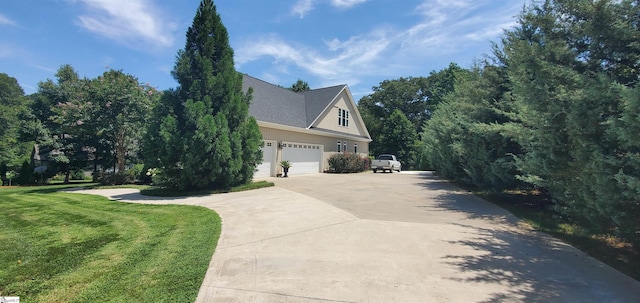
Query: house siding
x,y
329,120
329,144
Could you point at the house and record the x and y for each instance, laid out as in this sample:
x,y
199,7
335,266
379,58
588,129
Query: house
x,y
305,128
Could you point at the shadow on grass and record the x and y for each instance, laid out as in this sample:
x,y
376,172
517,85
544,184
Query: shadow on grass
x,y
169,192
45,189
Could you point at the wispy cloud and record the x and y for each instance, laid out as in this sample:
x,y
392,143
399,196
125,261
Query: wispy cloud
x,y
6,21
302,7
445,28
44,68
346,3
136,23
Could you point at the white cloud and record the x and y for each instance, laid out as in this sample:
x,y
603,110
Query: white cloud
x,y
446,28
302,7
6,21
136,23
346,3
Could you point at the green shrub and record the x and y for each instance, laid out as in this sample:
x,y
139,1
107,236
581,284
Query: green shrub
x,y
348,163
77,175
26,176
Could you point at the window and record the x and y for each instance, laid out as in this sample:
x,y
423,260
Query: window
x,y
344,146
355,148
339,149
343,117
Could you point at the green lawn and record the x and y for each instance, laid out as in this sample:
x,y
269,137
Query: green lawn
x,y
63,247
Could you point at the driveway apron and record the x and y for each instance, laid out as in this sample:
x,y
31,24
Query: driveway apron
x,y
407,237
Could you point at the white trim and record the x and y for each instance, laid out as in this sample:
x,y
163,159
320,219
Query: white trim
x,y
330,105
353,103
311,131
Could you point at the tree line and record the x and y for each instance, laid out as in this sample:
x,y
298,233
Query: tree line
x,y
555,108
196,136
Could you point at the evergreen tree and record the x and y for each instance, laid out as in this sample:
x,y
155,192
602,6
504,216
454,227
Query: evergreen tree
x,y
300,86
209,132
467,138
573,67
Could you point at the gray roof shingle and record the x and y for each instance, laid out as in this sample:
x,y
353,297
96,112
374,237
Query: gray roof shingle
x,y
317,101
275,104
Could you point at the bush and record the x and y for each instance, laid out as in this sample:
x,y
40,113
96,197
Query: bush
x,y
26,176
348,163
77,174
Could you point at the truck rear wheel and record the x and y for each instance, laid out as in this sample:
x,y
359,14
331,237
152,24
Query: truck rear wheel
x,y
375,171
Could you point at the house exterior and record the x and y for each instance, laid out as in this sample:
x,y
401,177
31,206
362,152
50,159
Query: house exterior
x,y
305,128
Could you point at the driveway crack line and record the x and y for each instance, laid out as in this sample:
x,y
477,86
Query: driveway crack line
x,y
282,295
289,234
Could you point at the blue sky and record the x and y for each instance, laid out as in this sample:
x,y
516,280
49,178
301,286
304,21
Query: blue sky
x,y
324,42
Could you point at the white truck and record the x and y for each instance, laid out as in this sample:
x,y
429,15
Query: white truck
x,y
386,163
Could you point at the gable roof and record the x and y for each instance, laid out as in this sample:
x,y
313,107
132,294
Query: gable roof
x,y
271,103
318,100
278,105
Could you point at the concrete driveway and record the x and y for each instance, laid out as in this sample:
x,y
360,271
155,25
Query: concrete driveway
x,y
406,237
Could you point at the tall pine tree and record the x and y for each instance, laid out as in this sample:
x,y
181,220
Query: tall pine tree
x,y
214,143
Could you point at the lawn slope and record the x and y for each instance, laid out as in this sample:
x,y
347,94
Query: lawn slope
x,y
62,247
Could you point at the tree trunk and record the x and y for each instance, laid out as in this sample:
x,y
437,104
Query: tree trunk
x,y
121,151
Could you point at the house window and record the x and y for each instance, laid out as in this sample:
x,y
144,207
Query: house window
x,y
343,117
355,148
344,146
339,149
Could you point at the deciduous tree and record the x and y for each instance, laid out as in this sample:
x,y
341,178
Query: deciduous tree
x,y
13,105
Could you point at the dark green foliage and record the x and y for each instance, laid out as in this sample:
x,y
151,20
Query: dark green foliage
x,y
348,163
300,86
400,138
119,109
201,136
558,110
81,123
468,138
26,176
416,97
573,66
13,108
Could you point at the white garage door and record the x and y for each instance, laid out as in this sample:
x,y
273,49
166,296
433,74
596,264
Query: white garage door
x,y
304,158
268,165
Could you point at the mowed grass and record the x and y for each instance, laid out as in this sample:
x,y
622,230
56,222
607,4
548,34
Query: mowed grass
x,y
64,247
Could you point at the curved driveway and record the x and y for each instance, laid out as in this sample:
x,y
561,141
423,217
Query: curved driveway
x,y
406,237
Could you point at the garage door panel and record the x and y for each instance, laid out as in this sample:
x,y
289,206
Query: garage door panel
x,y
304,158
306,167
268,160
